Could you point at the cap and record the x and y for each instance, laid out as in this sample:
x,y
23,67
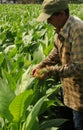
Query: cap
x,y
51,6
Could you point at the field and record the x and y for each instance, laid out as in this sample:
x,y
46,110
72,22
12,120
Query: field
x,y
27,103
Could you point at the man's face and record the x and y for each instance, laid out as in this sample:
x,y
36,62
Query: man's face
x,y
56,20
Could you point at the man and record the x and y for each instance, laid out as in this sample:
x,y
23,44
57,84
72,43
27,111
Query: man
x,y
66,58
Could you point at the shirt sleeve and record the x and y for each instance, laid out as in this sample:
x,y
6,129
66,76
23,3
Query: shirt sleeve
x,y
75,68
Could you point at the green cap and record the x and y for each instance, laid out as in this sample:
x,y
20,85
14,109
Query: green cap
x,y
51,6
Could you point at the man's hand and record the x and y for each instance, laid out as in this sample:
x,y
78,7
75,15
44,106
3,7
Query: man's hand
x,y
35,72
40,73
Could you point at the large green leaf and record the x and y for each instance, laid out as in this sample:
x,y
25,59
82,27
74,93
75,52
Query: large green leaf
x,y
34,113
26,81
10,80
38,55
36,124
20,104
52,123
6,96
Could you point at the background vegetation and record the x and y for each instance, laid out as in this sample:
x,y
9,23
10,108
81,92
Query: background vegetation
x,y
27,103
34,1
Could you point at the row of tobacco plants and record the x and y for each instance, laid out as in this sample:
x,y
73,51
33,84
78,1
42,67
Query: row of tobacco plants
x,y
27,103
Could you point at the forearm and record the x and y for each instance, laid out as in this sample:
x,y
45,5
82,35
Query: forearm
x,y
71,70
66,71
51,60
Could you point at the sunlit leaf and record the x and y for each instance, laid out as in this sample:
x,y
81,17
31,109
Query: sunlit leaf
x,y
20,104
6,97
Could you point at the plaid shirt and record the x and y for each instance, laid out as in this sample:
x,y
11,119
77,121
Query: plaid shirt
x,y
68,54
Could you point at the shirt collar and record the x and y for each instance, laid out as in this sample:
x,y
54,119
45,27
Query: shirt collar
x,y
65,30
